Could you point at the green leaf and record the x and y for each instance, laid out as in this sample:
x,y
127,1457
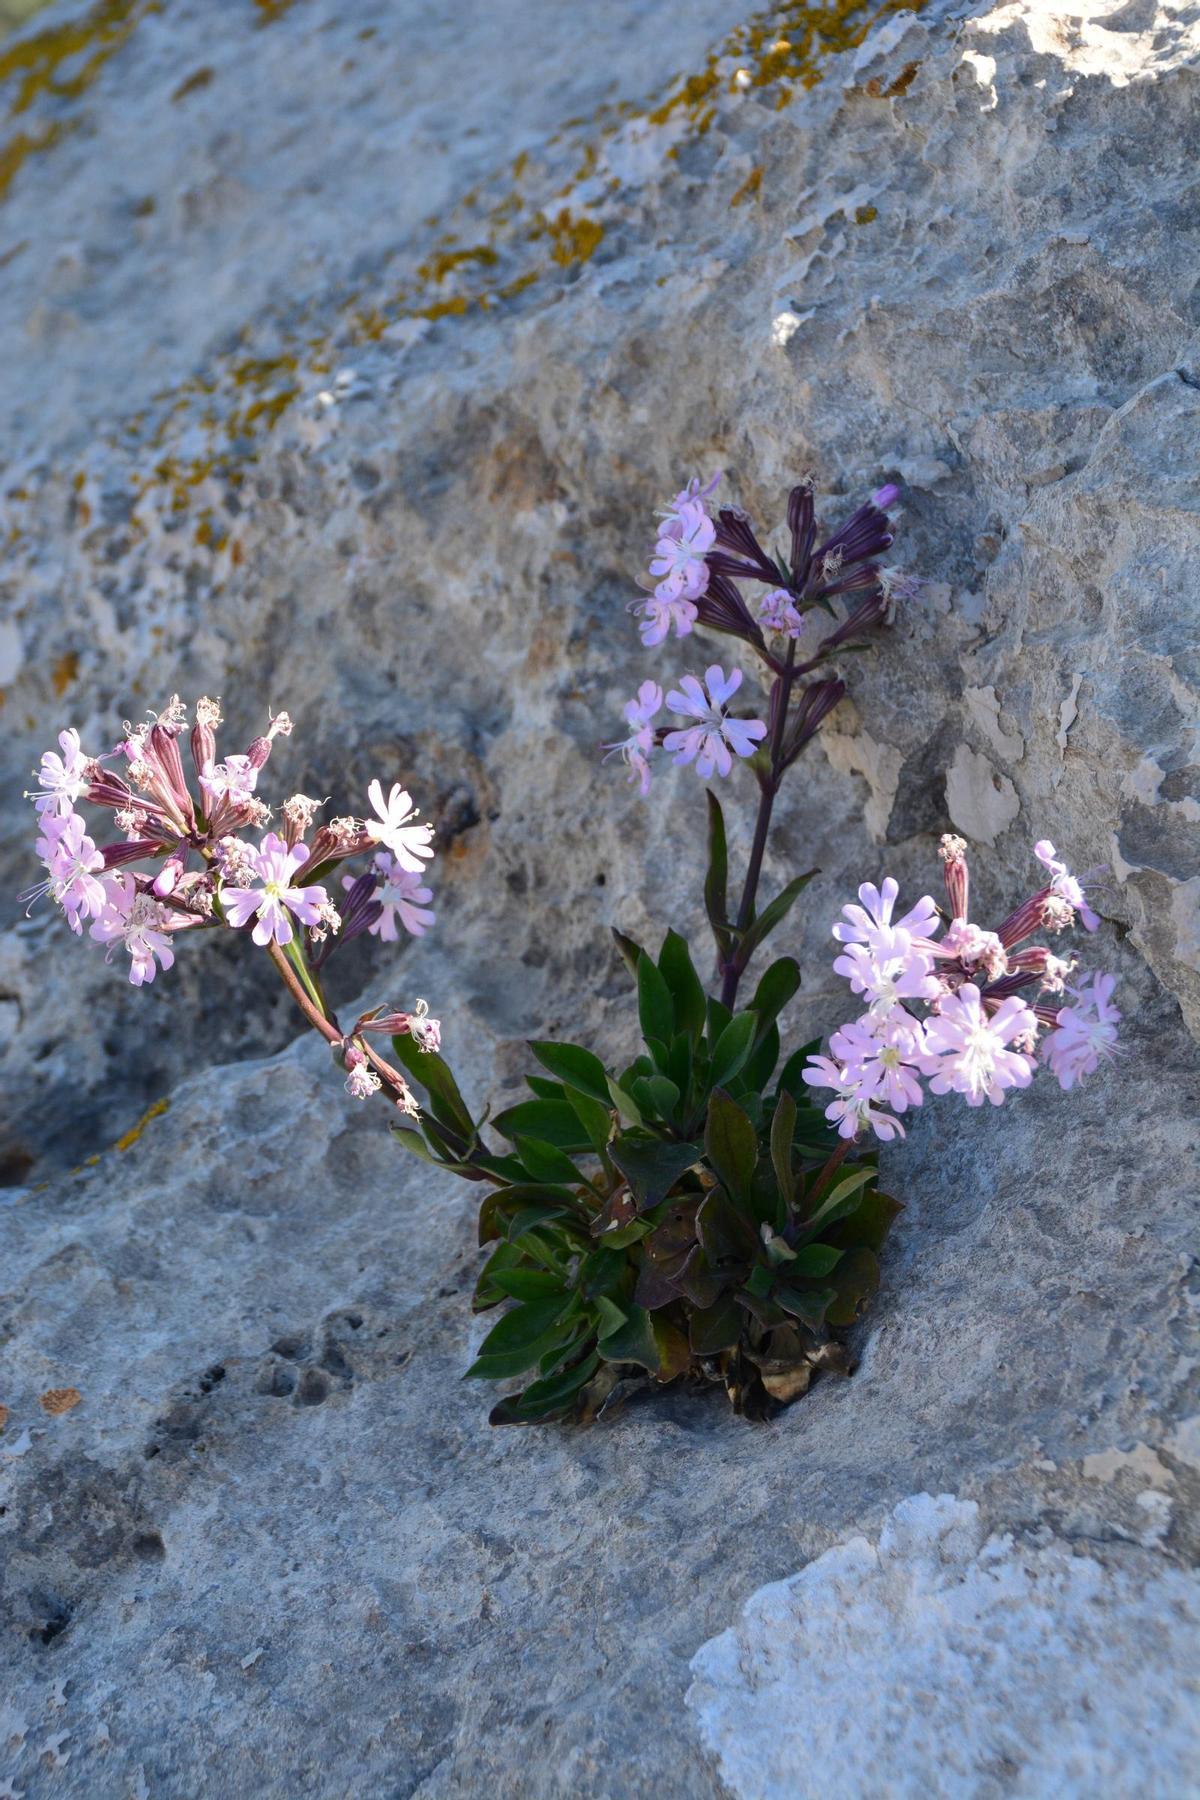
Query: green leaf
x,y
771,915
869,1223
411,1139
502,1205
625,1104
527,1284
504,1257
716,880
857,1278
758,1069
595,1118
760,1281
523,1336
651,1165
432,1073
732,1048
575,1067
551,1398
730,1241
687,993
809,1307
815,1260
841,1201
545,1162
610,1315
631,953
656,1009
545,1090
631,1341
731,1143
718,1017
778,985
657,1096
555,1121
500,1365
783,1127
712,1329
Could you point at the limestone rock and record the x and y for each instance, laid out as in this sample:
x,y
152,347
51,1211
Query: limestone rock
x,y
272,434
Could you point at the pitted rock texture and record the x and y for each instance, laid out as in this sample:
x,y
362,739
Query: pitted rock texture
x,y
272,434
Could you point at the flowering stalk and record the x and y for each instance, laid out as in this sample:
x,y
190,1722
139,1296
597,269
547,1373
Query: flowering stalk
x,y
185,864
693,582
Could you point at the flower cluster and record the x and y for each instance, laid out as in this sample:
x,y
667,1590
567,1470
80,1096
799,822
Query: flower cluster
x,y
200,860
698,563
983,991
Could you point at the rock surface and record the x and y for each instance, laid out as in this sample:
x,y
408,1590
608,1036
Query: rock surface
x,y
272,433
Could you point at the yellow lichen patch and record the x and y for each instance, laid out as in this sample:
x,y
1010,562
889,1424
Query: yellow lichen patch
x,y
135,1131
443,309
64,60
57,1401
438,266
270,10
863,215
748,188
19,149
572,239
64,671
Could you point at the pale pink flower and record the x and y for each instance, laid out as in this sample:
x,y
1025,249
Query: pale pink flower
x,y
635,750
75,865
234,780
139,922
361,1079
678,565
1085,1033
778,612
889,969
426,1033
64,778
709,742
865,922
657,616
966,1049
402,896
276,901
411,844
1065,885
883,1055
692,495
851,1110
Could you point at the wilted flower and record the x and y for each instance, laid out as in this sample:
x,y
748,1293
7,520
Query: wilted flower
x,y
1065,885
1085,1032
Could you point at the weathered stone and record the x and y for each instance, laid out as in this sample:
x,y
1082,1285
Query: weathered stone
x,y
264,438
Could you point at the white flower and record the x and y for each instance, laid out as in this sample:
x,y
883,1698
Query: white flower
x,y
411,844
